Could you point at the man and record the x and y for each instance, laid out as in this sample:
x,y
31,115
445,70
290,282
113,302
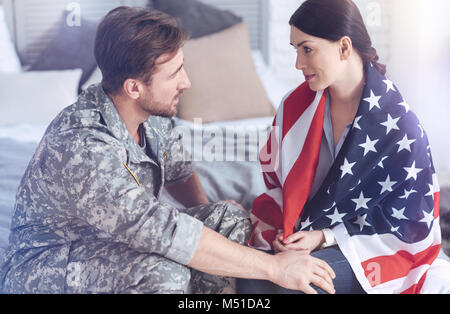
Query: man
x,y
88,217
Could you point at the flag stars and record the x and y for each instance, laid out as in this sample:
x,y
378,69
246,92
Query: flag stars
x,y
399,213
431,191
305,223
373,101
390,124
405,143
389,85
408,193
404,105
428,218
369,145
387,185
380,164
412,171
361,202
356,123
347,168
336,217
361,221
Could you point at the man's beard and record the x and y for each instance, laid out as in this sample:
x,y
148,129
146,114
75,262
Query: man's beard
x,y
159,110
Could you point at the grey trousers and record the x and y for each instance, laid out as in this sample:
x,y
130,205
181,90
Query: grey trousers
x,y
152,273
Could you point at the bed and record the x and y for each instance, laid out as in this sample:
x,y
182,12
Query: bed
x,y
39,59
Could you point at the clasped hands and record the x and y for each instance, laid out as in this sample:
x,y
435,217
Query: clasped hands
x,y
304,241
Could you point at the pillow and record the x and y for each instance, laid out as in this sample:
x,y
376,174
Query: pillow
x,y
36,97
9,61
225,85
226,158
198,18
71,48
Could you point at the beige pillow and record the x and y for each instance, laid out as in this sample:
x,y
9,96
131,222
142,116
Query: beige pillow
x,y
225,85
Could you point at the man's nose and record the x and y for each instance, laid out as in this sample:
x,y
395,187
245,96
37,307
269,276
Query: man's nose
x,y
185,82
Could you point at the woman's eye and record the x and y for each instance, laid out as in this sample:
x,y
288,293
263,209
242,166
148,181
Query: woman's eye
x,y
307,50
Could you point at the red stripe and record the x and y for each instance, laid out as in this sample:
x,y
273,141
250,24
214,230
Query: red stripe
x,y
398,265
295,105
267,210
269,236
436,204
416,288
296,193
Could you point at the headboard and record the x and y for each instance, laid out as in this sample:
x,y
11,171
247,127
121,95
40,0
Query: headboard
x,y
31,22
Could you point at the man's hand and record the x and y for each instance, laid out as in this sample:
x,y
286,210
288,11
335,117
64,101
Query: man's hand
x,y
296,271
306,241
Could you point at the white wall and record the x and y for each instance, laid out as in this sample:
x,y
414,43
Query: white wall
x,y
412,38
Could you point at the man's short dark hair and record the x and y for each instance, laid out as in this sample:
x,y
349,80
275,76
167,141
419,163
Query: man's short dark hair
x,y
130,40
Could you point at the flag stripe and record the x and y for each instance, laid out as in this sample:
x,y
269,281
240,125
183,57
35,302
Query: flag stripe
x,y
399,264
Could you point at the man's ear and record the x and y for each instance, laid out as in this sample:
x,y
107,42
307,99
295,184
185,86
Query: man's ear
x,y
345,47
131,88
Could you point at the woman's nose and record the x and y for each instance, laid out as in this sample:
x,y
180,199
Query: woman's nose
x,y
299,63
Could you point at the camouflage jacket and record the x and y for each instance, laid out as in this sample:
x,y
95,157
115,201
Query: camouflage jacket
x,y
89,181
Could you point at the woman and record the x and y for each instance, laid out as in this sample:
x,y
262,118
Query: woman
x,y
352,168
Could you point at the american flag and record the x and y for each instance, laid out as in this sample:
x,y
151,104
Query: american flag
x,y
380,198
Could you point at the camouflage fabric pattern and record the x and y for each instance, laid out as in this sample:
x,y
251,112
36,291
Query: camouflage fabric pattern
x,y
88,218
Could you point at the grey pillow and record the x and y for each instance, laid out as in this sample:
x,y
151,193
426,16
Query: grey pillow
x,y
226,160
71,48
198,18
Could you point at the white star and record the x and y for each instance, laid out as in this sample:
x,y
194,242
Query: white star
x,y
389,85
336,217
306,223
361,221
431,192
390,124
405,105
405,143
373,101
412,171
428,218
387,185
347,168
421,130
359,182
369,145
355,124
332,206
361,202
399,213
408,193
380,164
394,229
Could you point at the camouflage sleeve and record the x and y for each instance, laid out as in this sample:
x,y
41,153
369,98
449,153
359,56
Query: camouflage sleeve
x,y
100,191
179,165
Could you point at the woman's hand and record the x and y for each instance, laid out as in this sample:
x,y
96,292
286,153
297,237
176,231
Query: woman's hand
x,y
305,241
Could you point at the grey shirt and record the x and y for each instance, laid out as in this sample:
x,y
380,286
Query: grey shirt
x,y
327,156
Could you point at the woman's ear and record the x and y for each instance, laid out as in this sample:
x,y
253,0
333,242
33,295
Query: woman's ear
x,y
131,88
345,47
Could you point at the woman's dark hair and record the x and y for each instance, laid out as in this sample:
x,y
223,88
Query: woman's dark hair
x,y
130,40
333,19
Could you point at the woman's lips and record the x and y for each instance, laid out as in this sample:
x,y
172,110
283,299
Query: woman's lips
x,y
309,77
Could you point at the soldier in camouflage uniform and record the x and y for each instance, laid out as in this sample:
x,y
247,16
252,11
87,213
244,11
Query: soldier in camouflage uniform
x,y
88,216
